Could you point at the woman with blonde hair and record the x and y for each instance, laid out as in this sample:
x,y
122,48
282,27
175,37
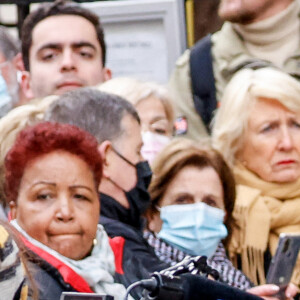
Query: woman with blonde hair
x,y
257,129
154,106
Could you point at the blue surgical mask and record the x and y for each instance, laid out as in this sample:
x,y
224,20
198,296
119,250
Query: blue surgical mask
x,y
196,229
5,99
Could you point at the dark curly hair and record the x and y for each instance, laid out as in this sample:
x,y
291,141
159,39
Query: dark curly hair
x,y
44,138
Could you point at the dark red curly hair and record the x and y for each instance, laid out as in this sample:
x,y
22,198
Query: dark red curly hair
x,y
44,138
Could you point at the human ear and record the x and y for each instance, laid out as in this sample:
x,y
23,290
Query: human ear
x,y
105,149
26,85
107,74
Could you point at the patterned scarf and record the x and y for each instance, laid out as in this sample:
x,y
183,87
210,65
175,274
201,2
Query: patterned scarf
x,y
219,261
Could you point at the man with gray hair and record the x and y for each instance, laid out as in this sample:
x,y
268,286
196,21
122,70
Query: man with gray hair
x,y
10,65
126,176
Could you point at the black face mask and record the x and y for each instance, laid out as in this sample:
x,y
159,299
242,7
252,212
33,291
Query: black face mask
x,y
139,197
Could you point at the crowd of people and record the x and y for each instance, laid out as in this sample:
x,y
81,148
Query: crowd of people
x,y
98,190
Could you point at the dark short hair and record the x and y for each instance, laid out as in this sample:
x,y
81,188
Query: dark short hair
x,y
58,8
181,153
97,112
44,138
9,46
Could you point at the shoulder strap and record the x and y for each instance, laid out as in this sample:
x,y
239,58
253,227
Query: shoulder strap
x,y
203,81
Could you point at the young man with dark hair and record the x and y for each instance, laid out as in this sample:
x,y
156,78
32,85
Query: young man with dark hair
x,y
63,49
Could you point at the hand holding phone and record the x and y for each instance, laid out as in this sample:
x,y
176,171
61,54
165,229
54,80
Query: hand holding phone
x,y
283,262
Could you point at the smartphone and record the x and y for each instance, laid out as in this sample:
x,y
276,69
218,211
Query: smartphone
x,y
283,262
84,296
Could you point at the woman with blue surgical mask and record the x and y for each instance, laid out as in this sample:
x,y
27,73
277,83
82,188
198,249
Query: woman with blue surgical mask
x,y
154,106
193,194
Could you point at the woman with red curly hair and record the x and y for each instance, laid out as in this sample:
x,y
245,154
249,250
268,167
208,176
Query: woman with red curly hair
x,y
52,174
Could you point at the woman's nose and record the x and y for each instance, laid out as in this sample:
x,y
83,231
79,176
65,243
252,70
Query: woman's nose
x,y
286,140
65,210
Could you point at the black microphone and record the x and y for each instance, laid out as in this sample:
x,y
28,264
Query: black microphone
x,y
182,282
163,287
168,284
190,287
198,287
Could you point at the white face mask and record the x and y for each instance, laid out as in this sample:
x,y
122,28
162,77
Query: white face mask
x,y
153,144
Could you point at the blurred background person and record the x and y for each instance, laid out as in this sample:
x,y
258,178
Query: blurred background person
x,y
257,129
10,126
255,31
154,106
52,173
15,276
193,195
11,94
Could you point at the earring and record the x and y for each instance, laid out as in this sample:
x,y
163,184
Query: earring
x,y
95,241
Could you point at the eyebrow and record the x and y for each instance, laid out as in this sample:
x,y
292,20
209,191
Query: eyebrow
x,y
158,118
50,46
44,182
59,46
81,187
215,198
83,44
54,184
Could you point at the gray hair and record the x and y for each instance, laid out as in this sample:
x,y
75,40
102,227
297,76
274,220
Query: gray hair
x,y
9,46
241,93
97,112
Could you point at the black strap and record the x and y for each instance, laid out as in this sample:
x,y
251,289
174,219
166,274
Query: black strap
x,y
203,81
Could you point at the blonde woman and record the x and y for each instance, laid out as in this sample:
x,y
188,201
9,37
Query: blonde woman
x,y
154,106
257,129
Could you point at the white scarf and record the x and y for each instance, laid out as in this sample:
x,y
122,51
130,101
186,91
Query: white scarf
x,y
97,269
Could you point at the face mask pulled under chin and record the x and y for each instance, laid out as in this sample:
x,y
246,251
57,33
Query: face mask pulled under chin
x,y
196,229
139,197
153,143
